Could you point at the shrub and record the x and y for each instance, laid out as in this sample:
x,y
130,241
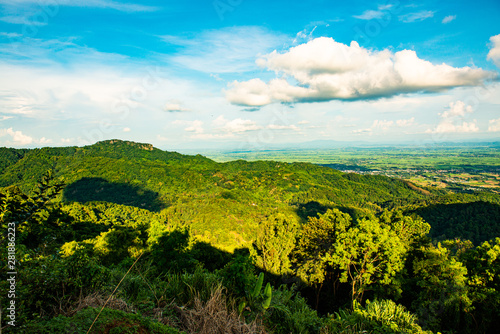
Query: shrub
x,y
109,321
50,285
289,313
382,317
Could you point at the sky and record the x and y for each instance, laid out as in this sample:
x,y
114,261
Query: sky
x,y
248,74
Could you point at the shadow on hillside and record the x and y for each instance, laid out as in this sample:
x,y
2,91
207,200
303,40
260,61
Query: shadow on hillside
x,y
171,254
92,189
310,209
313,209
475,221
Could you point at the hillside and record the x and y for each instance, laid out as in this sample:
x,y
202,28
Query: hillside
x,y
175,242
213,198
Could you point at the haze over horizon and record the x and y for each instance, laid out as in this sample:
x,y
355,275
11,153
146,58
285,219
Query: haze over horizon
x,y
214,73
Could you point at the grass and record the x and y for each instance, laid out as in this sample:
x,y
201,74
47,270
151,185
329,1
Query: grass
x,y
109,322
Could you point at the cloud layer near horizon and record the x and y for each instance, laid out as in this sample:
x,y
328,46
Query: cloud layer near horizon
x,y
323,70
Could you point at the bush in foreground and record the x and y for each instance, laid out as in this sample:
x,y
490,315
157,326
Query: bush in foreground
x,y
384,317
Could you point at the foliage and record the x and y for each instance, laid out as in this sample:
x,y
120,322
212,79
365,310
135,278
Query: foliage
x,y
442,296
384,316
290,313
239,274
362,254
463,220
196,191
483,265
256,299
274,242
204,229
170,252
109,321
48,286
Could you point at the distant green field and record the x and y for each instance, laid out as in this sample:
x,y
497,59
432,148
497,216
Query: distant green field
x,y
377,157
457,168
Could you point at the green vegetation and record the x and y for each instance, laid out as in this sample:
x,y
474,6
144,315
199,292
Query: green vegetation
x,y
196,246
109,321
457,167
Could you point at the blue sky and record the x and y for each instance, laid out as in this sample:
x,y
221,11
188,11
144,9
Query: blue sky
x,y
248,74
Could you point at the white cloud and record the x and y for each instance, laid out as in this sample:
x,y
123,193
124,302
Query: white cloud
x,y
374,14
50,5
237,125
195,126
283,127
457,108
216,77
175,106
326,70
86,92
303,36
384,125
126,129
453,120
370,14
448,19
162,138
21,19
44,140
415,17
226,50
405,122
494,125
448,126
256,92
223,128
362,131
41,12
494,53
18,138
40,92
10,34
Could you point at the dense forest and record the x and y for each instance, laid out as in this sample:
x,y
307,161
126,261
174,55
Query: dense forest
x,y
121,237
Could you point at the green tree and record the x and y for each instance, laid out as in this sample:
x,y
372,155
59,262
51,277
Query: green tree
x,y
318,238
362,255
38,220
274,243
367,254
117,244
441,282
170,252
483,265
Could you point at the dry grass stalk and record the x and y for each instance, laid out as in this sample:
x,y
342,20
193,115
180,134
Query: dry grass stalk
x,y
216,317
96,300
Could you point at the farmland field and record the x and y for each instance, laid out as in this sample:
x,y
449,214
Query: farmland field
x,y
457,168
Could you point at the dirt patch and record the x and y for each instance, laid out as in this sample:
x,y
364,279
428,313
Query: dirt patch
x,y
414,187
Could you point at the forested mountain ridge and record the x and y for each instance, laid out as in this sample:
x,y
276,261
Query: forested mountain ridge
x,y
197,190
325,242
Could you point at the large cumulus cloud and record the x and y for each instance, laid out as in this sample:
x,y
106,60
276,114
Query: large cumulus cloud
x,y
324,69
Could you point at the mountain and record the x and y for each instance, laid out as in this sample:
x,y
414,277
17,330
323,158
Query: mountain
x,y
221,201
167,235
